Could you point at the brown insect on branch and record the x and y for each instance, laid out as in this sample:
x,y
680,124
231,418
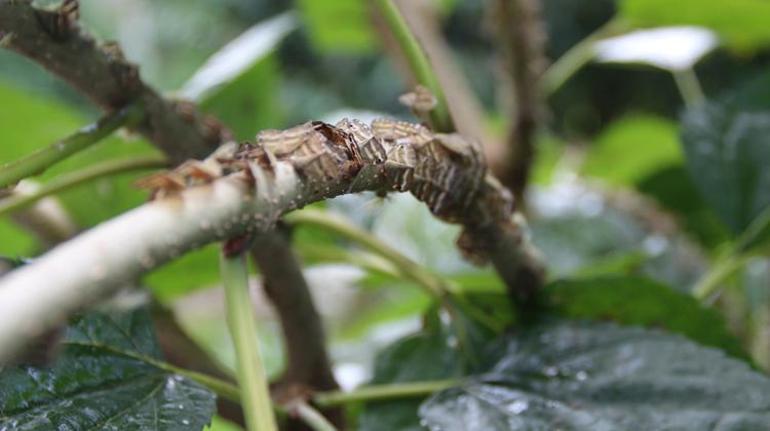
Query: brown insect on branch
x,y
253,186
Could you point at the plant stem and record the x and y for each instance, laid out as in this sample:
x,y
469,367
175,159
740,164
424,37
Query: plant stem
x,y
382,392
689,86
432,284
310,416
255,395
84,175
441,120
435,286
37,162
576,57
723,269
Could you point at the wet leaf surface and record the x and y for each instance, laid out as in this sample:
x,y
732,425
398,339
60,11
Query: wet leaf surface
x,y
426,355
103,380
641,301
585,376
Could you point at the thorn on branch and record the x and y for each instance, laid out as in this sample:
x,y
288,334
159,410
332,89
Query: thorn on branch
x,y
125,73
62,22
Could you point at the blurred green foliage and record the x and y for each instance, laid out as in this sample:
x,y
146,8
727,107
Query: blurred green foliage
x,y
631,148
609,133
742,23
339,26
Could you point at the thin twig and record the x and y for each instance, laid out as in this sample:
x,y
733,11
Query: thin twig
x,y
689,86
383,392
73,179
432,284
255,395
310,416
435,286
440,118
307,362
576,57
37,162
101,73
463,104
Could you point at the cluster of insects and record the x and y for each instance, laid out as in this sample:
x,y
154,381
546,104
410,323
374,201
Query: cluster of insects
x,y
443,170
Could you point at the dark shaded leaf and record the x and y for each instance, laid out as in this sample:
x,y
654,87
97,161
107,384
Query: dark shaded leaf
x,y
756,238
103,380
640,301
728,154
580,231
601,377
673,188
427,355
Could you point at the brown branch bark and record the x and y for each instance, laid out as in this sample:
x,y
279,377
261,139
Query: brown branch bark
x,y
245,189
308,367
101,73
522,44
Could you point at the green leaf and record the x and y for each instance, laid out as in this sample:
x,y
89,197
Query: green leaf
x,y
727,155
601,377
16,242
50,120
17,108
426,355
631,148
190,272
338,26
640,301
239,83
742,23
104,379
673,188
249,103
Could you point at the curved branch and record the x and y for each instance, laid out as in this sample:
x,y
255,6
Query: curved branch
x,y
251,187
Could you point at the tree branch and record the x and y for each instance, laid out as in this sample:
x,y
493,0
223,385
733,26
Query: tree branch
x,y
308,365
522,40
250,187
106,77
102,74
